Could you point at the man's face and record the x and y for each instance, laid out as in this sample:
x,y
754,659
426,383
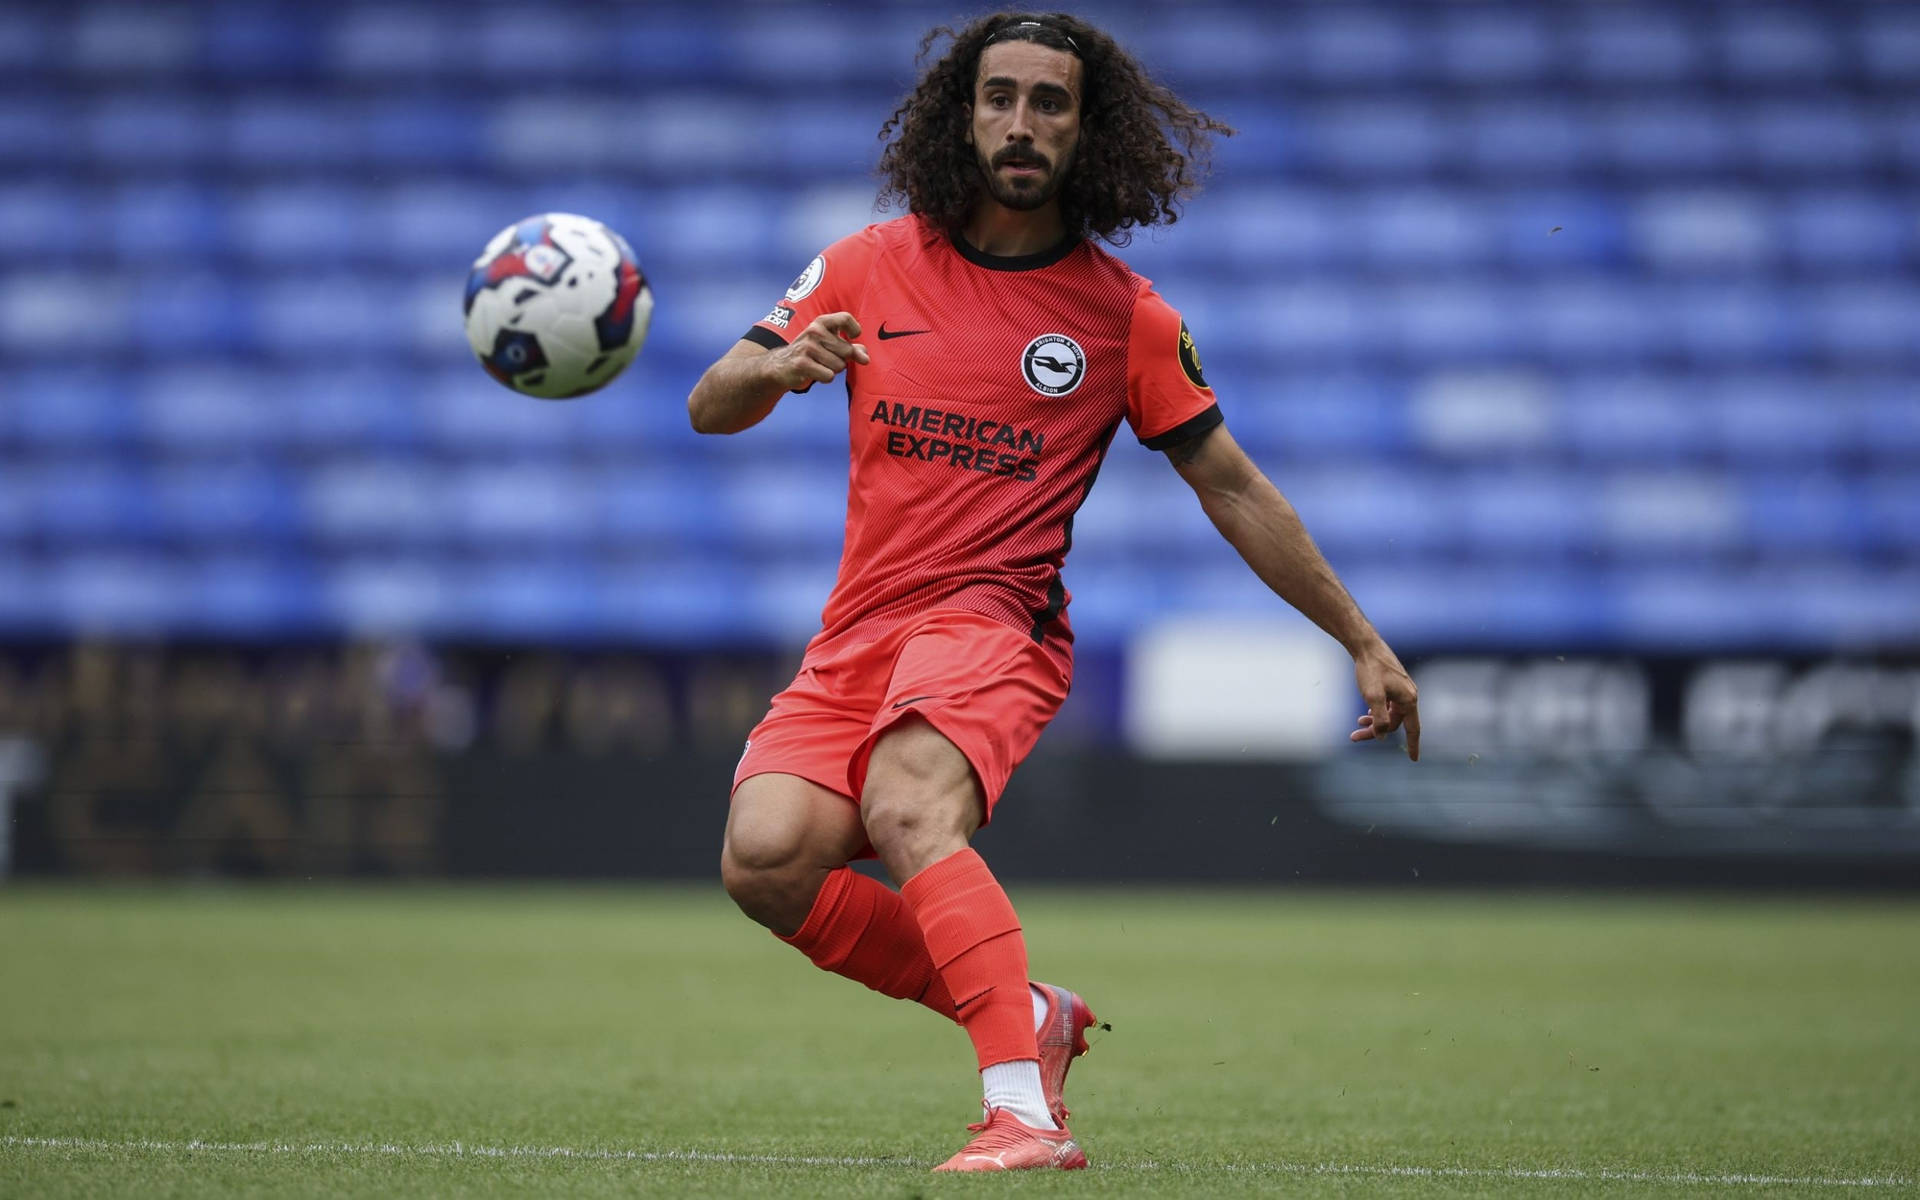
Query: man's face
x,y
1026,121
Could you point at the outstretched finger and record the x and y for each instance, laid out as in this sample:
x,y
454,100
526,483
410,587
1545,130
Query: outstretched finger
x,y
1413,734
841,323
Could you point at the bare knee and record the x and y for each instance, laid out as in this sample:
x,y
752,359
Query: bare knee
x,y
921,802
783,836
769,879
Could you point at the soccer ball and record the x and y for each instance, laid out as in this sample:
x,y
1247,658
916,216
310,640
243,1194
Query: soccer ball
x,y
557,306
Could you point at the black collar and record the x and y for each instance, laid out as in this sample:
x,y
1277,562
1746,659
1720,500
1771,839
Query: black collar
x,y
1016,262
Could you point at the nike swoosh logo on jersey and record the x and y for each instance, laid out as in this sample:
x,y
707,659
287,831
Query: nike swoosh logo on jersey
x,y
886,333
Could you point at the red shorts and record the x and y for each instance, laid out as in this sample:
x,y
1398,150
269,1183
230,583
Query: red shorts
x,y
989,688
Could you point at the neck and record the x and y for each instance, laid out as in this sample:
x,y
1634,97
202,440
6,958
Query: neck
x,y
993,228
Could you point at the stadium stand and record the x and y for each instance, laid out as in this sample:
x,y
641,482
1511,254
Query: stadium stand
x,y
1601,321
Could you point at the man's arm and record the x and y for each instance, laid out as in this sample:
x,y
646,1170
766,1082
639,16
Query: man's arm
x,y
739,391
1257,521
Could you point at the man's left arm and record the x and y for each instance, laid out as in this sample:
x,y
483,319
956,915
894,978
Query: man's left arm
x,y
1257,521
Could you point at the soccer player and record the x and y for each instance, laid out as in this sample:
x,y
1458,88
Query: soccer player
x,y
990,349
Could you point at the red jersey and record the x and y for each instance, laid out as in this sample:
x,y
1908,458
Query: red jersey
x,y
995,387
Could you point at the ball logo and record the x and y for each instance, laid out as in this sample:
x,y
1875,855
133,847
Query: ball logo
x,y
544,261
1054,364
807,280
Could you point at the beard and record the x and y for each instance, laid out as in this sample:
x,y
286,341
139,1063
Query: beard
x,y
1023,193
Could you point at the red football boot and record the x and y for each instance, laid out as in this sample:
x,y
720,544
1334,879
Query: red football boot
x,y
1003,1142
1063,1038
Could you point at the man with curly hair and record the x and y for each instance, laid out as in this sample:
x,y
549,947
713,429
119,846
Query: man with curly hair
x,y
1006,348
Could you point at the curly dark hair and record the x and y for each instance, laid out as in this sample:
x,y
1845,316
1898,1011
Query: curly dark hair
x,y
1142,149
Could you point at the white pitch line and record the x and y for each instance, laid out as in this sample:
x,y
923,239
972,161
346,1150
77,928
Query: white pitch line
x,y
463,1150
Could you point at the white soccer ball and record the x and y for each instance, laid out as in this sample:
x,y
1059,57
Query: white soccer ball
x,y
557,306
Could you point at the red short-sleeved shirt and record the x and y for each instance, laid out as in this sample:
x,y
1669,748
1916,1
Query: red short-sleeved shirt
x,y
995,386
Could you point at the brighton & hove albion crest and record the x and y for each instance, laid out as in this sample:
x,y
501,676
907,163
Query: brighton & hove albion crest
x,y
1054,364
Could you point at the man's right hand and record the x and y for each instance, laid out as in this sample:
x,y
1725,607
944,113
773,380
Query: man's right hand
x,y
823,350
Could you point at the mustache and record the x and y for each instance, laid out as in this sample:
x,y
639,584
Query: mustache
x,y
1020,156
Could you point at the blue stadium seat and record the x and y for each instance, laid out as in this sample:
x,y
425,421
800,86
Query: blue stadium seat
x,y
771,507
1694,608
150,130
1888,426
1814,137
118,41
207,406
1224,48
322,224
414,43
254,42
195,315
39,134
1658,513
1887,38
41,220
542,597
364,502
1558,230
273,133
525,506
1864,322
1724,324
1777,45
1633,44
1528,513
1794,513
220,503
165,222
1304,415
1551,138
1377,138
1893,513
1350,44
1411,229
1495,45
1844,229
92,500
61,409
1624,417
1704,229
1463,319
355,409
1778,417
18,500
1639,279
27,42
1589,319
121,593
252,594
1674,139
689,600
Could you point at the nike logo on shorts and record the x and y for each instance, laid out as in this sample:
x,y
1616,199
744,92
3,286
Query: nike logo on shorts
x,y
915,700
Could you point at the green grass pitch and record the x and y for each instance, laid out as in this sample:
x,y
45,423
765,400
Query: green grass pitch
x,y
504,1041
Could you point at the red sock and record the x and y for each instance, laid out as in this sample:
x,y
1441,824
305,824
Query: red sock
x,y
860,928
974,937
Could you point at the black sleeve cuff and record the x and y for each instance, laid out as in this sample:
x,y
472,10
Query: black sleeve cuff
x,y
760,335
1192,427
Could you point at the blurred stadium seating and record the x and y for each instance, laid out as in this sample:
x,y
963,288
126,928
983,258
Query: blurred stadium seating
x,y
1600,320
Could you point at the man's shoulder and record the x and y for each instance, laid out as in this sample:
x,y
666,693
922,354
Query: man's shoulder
x,y
1102,261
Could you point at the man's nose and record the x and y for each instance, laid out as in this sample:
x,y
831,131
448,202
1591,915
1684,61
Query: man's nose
x,y
1021,129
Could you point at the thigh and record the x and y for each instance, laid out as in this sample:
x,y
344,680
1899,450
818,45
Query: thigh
x,y
810,731
985,688
776,820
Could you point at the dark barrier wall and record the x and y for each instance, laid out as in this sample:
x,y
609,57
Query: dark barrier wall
x,y
248,810
488,763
